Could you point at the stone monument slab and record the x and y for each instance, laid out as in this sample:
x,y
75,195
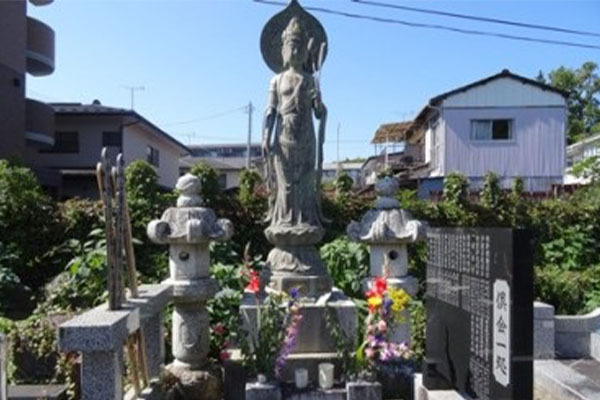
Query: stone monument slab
x,y
480,312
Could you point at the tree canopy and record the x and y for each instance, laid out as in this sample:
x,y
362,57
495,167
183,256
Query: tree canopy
x,y
583,86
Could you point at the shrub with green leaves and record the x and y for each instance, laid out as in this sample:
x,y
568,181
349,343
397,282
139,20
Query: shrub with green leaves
x,y
569,291
209,180
347,263
29,228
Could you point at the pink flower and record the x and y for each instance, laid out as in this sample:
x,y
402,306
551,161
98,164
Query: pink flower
x,y
382,326
370,353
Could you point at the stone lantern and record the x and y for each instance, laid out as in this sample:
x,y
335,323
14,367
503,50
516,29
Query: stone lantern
x,y
387,230
188,229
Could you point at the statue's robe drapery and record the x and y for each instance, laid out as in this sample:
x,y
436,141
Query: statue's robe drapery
x,y
294,153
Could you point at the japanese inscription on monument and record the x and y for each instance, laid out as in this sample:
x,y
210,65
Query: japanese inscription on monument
x,y
479,300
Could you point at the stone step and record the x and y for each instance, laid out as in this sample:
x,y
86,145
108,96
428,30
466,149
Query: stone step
x,y
568,379
36,392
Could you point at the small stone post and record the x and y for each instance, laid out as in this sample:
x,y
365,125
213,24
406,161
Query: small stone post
x,y
3,363
387,230
188,229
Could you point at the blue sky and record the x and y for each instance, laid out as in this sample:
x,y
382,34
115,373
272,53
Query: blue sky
x,y
201,58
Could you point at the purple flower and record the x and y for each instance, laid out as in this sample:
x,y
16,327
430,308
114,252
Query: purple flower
x,y
294,293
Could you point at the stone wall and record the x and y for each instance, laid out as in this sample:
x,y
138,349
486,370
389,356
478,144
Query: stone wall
x,y
565,336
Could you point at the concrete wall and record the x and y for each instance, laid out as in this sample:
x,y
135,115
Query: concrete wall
x,y
565,336
13,31
90,130
136,139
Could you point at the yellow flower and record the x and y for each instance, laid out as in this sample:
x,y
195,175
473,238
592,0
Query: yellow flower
x,y
399,299
374,302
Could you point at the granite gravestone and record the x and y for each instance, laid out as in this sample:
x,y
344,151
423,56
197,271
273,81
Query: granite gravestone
x,y
480,313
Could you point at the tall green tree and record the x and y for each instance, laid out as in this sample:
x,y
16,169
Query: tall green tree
x,y
583,86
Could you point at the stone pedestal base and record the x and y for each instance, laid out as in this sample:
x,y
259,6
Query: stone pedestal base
x,y
314,336
314,342
206,384
298,267
352,391
422,393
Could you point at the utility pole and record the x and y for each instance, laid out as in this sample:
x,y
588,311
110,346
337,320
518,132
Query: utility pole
x,y
249,145
189,136
132,90
338,148
387,143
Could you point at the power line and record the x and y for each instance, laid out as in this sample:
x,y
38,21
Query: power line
x,y
436,26
478,18
208,117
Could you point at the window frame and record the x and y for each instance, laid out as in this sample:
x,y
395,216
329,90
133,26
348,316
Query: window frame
x,y
490,139
153,156
56,150
106,134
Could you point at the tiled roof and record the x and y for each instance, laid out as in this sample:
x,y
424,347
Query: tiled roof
x,y
94,108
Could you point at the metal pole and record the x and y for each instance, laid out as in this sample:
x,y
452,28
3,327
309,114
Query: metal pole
x,y
338,148
387,143
250,110
3,364
132,90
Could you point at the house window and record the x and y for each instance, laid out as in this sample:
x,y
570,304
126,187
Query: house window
x,y
223,181
491,129
112,139
64,142
153,156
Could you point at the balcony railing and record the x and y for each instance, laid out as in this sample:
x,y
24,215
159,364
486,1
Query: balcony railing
x,y
39,124
40,48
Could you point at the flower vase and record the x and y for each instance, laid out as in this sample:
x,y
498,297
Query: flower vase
x,y
263,389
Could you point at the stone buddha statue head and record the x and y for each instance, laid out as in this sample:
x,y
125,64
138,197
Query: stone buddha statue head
x,y
295,45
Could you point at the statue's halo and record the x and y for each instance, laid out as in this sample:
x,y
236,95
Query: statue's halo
x,y
270,39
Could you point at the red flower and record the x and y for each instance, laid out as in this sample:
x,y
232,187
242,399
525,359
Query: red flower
x,y
380,285
219,329
254,285
224,355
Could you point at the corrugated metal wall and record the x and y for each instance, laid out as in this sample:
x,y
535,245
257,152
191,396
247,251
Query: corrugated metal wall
x,y
537,149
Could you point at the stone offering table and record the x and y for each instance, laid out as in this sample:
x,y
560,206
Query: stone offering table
x,y
359,390
100,334
387,230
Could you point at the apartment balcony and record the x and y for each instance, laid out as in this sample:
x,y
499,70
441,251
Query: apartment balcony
x,y
40,2
40,48
39,124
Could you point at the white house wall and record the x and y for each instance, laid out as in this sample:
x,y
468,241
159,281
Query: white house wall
x,y
89,131
504,92
536,152
136,138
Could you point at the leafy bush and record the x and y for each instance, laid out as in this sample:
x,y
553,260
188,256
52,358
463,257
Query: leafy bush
x,y
574,247
83,283
456,189
29,228
209,180
569,291
146,202
80,217
248,196
343,183
347,263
